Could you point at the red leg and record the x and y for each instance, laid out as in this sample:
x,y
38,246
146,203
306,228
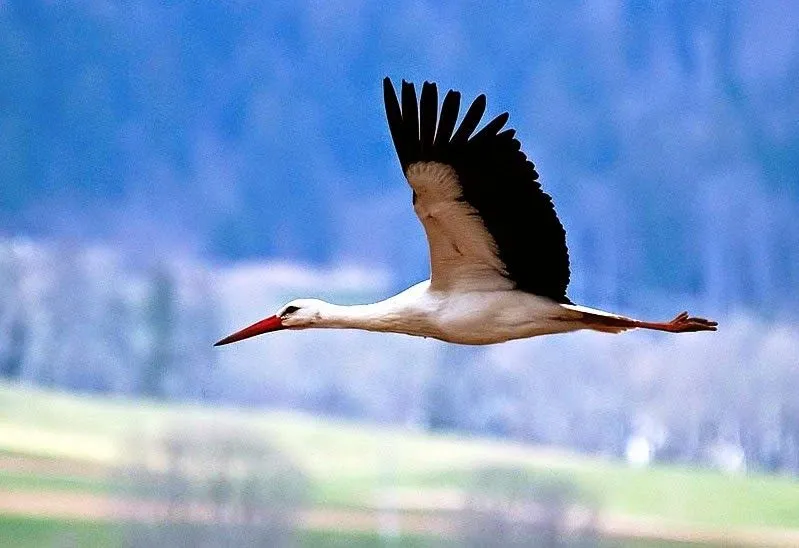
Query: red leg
x,y
683,323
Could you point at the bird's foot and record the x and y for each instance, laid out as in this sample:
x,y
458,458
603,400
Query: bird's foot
x,y
683,323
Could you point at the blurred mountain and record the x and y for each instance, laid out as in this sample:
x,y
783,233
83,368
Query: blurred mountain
x,y
666,132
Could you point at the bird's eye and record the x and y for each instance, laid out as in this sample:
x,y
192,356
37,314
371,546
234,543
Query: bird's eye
x,y
290,310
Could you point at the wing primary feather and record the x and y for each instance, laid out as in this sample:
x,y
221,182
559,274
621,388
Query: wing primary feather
x,y
470,120
394,116
492,127
410,123
449,117
428,110
507,134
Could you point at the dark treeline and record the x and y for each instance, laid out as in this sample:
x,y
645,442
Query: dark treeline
x,y
666,134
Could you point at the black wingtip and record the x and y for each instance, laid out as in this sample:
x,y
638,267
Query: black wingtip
x,y
470,120
428,111
411,146
448,119
493,127
394,118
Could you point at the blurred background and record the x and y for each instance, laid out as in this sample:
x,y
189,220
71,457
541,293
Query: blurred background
x,y
170,172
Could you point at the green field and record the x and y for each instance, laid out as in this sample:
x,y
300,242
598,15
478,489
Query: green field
x,y
349,464
39,533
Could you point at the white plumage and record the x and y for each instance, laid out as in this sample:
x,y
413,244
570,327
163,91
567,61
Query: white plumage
x,y
498,257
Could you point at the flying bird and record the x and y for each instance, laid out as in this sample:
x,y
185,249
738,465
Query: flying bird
x,y
499,266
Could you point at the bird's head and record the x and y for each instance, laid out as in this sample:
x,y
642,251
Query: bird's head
x,y
297,314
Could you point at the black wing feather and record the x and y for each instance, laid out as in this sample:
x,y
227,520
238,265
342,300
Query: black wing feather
x,y
449,117
492,127
428,110
394,117
410,123
508,134
496,179
470,121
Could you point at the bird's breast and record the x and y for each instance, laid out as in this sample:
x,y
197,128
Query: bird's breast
x,y
496,316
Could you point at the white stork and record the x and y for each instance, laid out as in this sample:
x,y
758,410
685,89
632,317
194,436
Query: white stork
x,y
498,257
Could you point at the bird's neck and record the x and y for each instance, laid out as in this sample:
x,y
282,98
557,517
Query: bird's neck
x,y
381,316
358,316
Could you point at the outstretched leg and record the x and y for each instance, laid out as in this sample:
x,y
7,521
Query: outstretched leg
x,y
683,323
599,320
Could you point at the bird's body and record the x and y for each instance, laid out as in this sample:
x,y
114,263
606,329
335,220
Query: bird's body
x,y
473,317
498,258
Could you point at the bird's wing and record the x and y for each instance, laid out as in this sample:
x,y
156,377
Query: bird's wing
x,y
488,223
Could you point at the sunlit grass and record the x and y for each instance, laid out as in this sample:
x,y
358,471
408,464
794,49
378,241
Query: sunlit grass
x,y
24,532
349,464
671,493
32,481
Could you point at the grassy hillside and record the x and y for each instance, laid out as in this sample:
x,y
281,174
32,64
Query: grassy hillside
x,y
352,464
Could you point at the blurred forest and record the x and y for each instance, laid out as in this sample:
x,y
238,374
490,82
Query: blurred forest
x,y
156,158
666,133
86,321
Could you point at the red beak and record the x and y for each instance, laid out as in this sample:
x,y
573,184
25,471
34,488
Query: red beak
x,y
272,323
